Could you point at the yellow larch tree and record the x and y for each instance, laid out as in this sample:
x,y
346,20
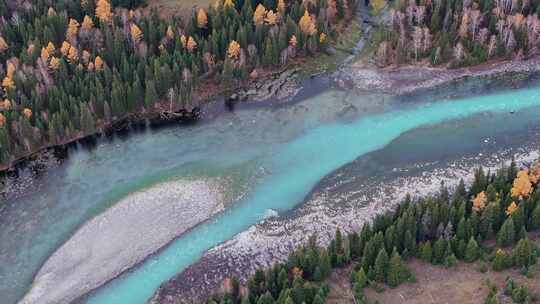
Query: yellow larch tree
x,y
73,55
50,48
293,41
87,23
202,19
8,83
3,45
103,11
98,63
228,3
233,52
522,186
322,38
45,54
307,26
271,18
27,112
511,208
183,40
72,29
259,15
170,32
55,63
479,201
2,120
281,7
191,44
136,33
64,49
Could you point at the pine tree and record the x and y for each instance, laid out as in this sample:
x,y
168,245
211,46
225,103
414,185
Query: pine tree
x,y
472,252
151,95
506,235
426,252
381,266
501,260
523,254
395,270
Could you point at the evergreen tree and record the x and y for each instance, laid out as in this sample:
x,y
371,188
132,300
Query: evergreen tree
x,y
472,252
506,235
381,266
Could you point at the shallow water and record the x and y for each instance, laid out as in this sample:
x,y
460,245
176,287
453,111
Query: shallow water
x,y
275,155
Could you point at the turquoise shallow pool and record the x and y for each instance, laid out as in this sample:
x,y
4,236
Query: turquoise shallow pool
x,y
283,152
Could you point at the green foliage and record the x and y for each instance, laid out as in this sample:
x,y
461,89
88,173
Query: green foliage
x,y
472,252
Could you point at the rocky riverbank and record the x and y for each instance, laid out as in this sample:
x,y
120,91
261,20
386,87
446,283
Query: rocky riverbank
x,y
400,80
123,236
327,208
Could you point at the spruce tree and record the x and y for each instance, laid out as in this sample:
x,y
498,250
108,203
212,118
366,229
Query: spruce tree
x,y
506,235
472,252
381,266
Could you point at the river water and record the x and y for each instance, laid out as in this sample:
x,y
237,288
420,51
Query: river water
x,y
273,156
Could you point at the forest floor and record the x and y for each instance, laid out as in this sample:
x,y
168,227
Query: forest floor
x,y
464,284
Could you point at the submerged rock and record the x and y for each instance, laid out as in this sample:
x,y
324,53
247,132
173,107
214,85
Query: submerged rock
x,y
123,236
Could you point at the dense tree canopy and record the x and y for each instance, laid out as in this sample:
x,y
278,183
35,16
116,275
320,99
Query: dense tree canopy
x,y
71,62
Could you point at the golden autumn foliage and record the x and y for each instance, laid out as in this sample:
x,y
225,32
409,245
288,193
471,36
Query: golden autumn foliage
x,y
479,201
10,69
136,33
103,11
202,19
51,48
169,33
183,40
228,3
64,49
73,28
3,45
8,83
281,7
307,25
45,54
98,63
233,51
27,112
55,63
73,55
87,23
2,120
377,5
522,186
259,15
322,38
191,44
293,41
511,208
271,18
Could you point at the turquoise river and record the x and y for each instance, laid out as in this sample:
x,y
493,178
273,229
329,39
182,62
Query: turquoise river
x,y
274,155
